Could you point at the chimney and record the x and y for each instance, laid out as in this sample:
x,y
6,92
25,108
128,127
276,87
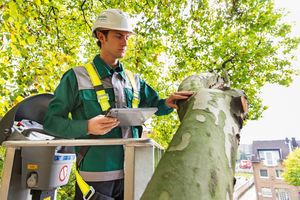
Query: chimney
x,y
289,144
294,143
286,140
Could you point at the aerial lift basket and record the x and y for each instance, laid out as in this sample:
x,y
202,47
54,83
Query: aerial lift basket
x,y
36,170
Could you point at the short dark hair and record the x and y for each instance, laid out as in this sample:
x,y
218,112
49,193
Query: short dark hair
x,y
104,32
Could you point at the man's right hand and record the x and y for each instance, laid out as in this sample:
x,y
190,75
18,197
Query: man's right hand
x,y
100,125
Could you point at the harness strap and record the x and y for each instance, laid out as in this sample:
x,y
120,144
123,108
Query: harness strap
x,y
87,191
101,94
135,101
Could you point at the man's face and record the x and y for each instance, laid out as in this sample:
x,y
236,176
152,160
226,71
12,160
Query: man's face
x,y
115,43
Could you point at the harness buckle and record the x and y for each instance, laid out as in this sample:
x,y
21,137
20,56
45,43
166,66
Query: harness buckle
x,y
103,97
90,193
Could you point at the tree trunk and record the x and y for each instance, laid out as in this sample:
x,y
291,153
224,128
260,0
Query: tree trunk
x,y
200,160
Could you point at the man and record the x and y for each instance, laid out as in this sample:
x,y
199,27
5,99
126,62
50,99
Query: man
x,y
102,166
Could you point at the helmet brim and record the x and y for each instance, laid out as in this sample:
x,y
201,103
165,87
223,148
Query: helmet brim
x,y
113,29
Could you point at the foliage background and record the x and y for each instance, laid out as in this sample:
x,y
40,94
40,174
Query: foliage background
x,y
41,39
291,172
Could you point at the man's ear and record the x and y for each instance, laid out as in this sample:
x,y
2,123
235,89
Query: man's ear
x,y
100,36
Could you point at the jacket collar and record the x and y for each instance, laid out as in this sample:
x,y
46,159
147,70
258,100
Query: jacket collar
x,y
104,69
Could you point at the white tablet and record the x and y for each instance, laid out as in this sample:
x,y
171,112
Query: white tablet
x,y
131,116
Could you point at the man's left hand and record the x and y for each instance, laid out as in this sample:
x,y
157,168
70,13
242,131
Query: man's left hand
x,y
182,95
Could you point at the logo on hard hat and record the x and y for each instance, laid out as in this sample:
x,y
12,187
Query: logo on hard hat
x,y
102,18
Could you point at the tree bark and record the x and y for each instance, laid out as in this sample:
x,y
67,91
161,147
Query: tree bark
x,y
200,160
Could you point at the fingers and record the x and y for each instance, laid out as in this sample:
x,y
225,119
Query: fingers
x,y
172,105
105,129
178,97
182,95
108,125
101,125
102,119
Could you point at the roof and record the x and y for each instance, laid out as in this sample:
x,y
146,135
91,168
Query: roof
x,y
281,145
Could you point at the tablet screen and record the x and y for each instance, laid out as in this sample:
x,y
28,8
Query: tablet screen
x,y
131,116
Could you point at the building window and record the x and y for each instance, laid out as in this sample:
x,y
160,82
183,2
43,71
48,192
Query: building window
x,y
279,173
282,194
263,173
270,157
266,192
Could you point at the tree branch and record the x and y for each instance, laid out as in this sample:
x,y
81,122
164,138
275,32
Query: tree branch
x,y
226,76
228,60
57,29
83,14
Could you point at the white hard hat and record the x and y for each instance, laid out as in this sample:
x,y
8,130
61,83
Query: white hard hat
x,y
112,19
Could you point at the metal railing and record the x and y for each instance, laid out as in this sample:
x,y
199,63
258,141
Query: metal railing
x,y
241,189
141,156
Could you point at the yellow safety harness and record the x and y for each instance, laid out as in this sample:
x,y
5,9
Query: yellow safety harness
x,y
103,99
87,190
135,101
101,94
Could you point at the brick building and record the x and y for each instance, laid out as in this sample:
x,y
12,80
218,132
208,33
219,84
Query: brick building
x,y
267,160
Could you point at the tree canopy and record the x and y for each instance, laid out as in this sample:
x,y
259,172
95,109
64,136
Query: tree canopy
x,y
41,39
291,172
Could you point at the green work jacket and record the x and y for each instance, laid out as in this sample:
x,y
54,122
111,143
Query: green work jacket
x,y
75,102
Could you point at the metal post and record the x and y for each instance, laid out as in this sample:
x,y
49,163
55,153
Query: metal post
x,y
129,173
7,171
143,170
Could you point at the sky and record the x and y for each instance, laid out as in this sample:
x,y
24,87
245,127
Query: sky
x,y
282,118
